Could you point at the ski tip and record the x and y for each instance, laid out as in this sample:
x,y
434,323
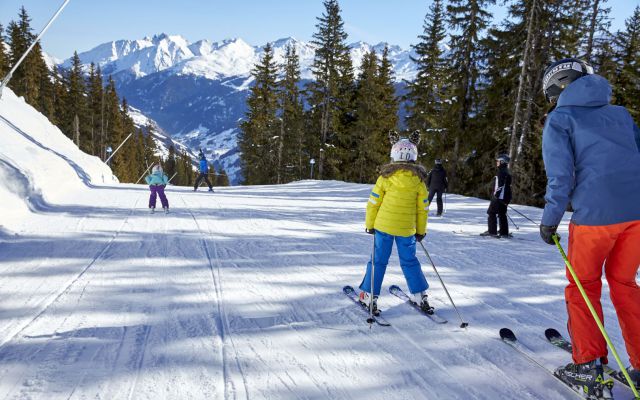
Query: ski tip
x,y
507,334
348,289
393,289
552,334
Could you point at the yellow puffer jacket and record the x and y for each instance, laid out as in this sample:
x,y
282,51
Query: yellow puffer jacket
x,y
398,203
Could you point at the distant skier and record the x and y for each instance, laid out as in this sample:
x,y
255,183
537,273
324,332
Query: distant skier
x,y
397,211
500,200
591,152
438,183
204,170
157,181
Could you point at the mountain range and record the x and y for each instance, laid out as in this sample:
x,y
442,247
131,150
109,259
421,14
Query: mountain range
x,y
196,92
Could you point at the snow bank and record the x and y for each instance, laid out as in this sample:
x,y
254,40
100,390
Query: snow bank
x,y
39,165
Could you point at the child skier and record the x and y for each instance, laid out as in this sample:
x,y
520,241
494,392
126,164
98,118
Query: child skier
x,y
157,181
591,152
397,211
500,199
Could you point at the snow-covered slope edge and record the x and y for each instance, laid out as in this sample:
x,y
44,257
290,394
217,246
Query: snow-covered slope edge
x,y
39,165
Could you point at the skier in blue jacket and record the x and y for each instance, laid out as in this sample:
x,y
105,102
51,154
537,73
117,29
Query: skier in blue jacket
x,y
591,152
204,170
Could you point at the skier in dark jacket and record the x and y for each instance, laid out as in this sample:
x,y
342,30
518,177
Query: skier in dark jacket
x,y
500,199
204,170
437,183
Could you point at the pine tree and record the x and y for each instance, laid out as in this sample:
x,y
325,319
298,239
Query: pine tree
x,y
425,94
292,146
467,19
94,101
26,79
598,28
261,129
76,105
627,84
4,58
331,94
362,157
113,127
390,105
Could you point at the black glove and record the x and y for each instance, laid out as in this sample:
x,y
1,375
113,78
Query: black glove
x,y
547,232
419,237
370,231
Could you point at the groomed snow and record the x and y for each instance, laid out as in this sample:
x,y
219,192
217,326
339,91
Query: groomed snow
x,y
237,294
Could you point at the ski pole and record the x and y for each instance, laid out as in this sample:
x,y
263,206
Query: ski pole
x,y
513,222
522,214
371,320
462,324
445,201
595,317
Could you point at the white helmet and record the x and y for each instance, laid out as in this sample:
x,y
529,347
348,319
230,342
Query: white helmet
x,y
404,150
156,168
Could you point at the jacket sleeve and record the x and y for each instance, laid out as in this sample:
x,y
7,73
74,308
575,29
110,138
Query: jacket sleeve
x,y
148,179
422,208
499,188
375,200
558,156
636,130
429,178
165,180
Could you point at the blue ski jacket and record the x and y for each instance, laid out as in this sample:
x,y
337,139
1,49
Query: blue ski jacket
x,y
591,152
157,178
204,166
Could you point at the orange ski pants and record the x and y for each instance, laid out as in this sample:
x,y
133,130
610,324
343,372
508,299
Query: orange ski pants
x,y
617,247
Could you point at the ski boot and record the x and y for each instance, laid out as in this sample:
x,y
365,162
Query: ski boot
x,y
364,300
211,190
153,210
507,236
487,233
587,379
166,210
635,375
421,300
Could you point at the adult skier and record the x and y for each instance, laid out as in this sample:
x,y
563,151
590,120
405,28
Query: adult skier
x,y
438,183
500,199
204,170
591,152
157,181
397,211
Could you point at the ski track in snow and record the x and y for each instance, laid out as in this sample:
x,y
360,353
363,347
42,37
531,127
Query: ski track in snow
x,y
237,295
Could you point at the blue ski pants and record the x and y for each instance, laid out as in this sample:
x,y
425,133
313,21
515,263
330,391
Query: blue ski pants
x,y
408,262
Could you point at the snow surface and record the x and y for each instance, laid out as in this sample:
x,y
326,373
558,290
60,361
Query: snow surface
x,y
237,294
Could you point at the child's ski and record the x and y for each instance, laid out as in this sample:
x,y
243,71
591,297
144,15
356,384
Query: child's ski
x,y
353,295
399,293
555,338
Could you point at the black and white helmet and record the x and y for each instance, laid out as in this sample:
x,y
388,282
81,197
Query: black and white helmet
x,y
503,158
560,74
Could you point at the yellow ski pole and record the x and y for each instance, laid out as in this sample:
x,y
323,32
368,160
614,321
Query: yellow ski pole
x,y
596,317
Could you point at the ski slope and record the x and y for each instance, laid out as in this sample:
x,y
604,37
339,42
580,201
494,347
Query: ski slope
x,y
237,294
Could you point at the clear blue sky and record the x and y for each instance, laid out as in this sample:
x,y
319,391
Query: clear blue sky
x,y
87,23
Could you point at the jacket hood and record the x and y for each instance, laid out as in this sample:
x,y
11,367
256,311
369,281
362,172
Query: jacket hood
x,y
416,169
588,91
